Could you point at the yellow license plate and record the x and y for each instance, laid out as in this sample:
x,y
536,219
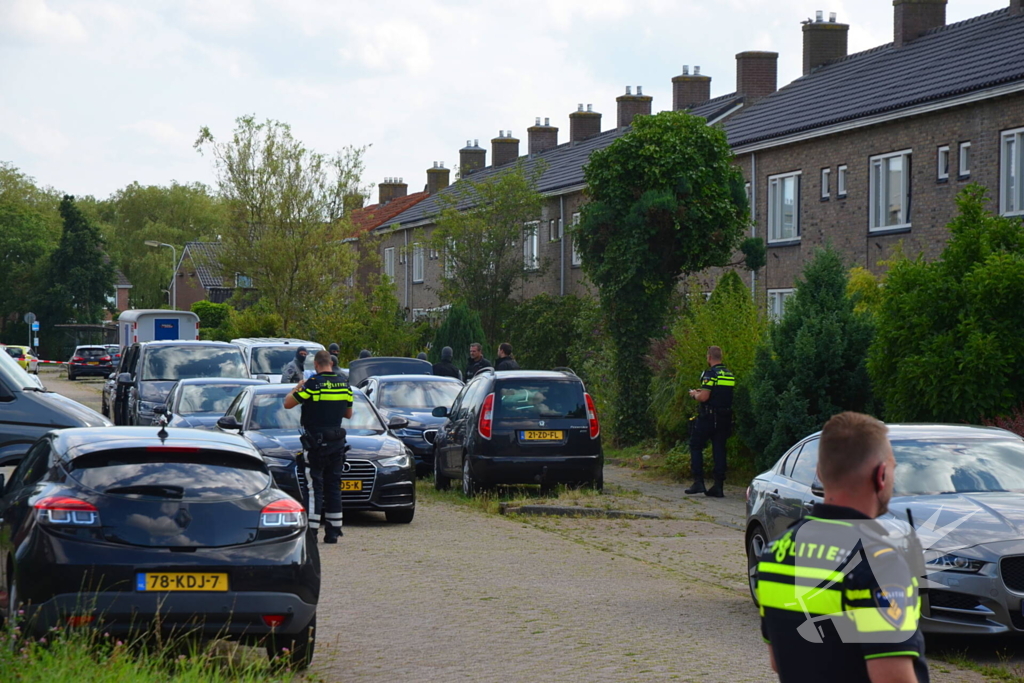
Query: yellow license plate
x,y
181,581
352,485
542,436
93,362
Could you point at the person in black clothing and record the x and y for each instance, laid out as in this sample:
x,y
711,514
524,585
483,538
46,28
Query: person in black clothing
x,y
325,399
713,422
294,370
505,359
477,362
334,350
446,368
365,353
421,356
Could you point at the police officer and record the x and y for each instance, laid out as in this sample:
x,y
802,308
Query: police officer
x,y
446,368
839,591
325,399
713,422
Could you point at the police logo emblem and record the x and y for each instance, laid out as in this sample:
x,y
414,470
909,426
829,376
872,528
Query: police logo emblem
x,y
892,604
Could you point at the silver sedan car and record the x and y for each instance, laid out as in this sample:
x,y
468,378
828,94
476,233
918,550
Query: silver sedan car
x,y
964,489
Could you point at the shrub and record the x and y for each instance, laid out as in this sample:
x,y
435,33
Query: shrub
x,y
543,330
592,357
460,328
212,315
257,321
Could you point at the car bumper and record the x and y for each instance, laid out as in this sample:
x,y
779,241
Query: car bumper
x,y
91,370
488,470
389,489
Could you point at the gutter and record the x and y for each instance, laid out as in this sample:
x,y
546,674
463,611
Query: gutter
x,y
561,246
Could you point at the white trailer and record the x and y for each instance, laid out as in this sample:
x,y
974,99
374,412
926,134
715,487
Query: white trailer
x,y
143,325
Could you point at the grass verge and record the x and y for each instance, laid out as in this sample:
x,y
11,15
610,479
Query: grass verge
x,y
674,465
490,501
1004,671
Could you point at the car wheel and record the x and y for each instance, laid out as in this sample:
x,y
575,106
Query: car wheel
x,y
469,486
293,650
757,543
598,482
399,516
71,377
441,482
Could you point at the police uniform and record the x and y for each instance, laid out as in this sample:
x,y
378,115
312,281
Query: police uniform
x,y
713,423
325,399
836,591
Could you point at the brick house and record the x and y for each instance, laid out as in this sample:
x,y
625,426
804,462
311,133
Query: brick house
x,y
198,276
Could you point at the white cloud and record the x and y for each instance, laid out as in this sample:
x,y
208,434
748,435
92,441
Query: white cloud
x,y
170,138
33,20
389,46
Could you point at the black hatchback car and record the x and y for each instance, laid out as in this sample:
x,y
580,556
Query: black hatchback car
x,y
119,529
90,361
519,427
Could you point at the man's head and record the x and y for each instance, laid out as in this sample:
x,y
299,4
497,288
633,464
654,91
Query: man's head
x,y
301,353
365,353
421,355
334,349
505,350
322,361
856,464
476,351
714,355
446,354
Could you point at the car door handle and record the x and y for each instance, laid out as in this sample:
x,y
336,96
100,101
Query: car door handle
x,y
774,495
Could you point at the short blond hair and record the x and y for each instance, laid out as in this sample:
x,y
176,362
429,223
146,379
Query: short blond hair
x,y
715,352
849,441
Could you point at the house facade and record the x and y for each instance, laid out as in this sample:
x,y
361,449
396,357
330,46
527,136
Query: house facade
x,y
198,276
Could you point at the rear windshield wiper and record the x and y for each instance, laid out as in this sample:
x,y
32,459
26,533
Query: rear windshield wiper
x,y
158,490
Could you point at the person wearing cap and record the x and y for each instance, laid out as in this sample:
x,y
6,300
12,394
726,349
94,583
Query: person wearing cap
x,y
365,353
421,355
294,370
446,368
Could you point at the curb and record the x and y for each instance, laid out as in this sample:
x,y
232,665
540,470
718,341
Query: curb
x,y
574,511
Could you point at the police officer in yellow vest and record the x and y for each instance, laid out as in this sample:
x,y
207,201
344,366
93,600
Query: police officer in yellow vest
x,y
325,399
713,422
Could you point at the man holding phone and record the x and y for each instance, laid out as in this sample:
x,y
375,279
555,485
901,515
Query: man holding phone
x,y
713,423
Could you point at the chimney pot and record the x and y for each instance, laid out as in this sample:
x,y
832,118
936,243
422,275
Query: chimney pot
x,y
914,17
392,188
757,75
824,42
696,71
639,90
590,107
584,124
630,106
538,121
541,138
688,91
504,149
831,17
547,121
629,90
580,108
819,16
438,178
686,69
471,158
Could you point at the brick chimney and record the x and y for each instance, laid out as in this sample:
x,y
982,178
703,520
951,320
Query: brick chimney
x,y
631,106
914,17
542,138
438,178
391,188
1016,7
689,91
584,124
824,41
757,75
472,157
504,148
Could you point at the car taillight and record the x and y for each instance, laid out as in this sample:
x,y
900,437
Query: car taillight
x,y
283,513
105,359
77,359
274,620
595,425
67,511
486,417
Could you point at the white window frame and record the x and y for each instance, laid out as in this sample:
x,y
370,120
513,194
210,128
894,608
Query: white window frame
x,y
777,302
418,264
776,185
555,230
826,183
1011,173
965,154
240,281
841,181
531,245
574,259
876,199
389,262
942,163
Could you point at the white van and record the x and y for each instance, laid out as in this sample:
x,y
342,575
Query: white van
x,y
143,325
265,357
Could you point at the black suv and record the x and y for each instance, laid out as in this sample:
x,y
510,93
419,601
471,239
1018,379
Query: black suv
x,y
149,371
519,427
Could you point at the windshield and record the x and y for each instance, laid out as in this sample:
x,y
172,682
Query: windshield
x,y
270,360
967,466
532,399
91,352
210,398
418,395
13,375
171,363
268,412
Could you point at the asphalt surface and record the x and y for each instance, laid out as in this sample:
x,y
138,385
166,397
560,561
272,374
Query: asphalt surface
x,y
462,595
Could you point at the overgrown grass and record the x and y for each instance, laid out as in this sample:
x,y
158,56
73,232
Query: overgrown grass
x,y
491,501
674,464
1004,671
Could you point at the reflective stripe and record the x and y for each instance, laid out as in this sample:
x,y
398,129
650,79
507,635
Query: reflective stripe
x,y
906,653
794,598
799,571
884,551
864,594
829,521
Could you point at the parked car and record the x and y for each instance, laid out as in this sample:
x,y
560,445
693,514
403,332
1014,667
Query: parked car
x,y
90,361
116,527
26,359
364,368
149,369
115,352
413,398
519,427
198,403
27,411
964,487
380,473
267,356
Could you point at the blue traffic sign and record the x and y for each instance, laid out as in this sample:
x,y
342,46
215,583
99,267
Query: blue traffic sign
x,y
35,327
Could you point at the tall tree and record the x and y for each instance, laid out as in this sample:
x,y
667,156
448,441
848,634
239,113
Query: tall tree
x,y
287,207
667,201
485,246
460,328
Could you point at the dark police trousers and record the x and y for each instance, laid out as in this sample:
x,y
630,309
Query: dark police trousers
x,y
714,425
322,462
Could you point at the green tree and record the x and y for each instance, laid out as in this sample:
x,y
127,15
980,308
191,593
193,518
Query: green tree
x,y
814,366
543,330
939,323
461,327
483,246
287,214
667,201
865,290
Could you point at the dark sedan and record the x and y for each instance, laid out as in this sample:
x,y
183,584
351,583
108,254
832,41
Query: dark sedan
x,y
120,529
380,473
199,402
964,487
413,398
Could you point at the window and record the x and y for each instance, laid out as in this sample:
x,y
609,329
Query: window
x,y
841,181
826,183
417,263
746,191
555,229
389,262
784,207
777,299
890,191
530,239
1011,184
943,163
965,159
805,471
243,281
575,259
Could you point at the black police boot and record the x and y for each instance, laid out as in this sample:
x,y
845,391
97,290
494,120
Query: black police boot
x,y
332,535
716,490
698,487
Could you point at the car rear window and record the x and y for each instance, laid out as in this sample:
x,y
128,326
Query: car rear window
x,y
179,474
550,399
171,363
92,352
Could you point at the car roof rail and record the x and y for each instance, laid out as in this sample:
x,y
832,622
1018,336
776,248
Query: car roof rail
x,y
567,371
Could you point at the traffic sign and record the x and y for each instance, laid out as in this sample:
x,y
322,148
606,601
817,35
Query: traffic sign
x,y
36,344
35,326
30,318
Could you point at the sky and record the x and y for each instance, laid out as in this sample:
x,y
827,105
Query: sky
x,y
96,94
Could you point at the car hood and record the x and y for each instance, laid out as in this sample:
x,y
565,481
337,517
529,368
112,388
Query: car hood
x,y
155,390
284,443
86,417
954,521
418,418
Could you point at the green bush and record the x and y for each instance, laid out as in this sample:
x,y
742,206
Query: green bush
x,y
592,357
543,330
212,315
256,321
461,327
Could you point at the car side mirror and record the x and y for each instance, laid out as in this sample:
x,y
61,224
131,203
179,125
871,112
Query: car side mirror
x,y
124,378
265,378
229,423
818,489
112,375
398,423
161,410
439,411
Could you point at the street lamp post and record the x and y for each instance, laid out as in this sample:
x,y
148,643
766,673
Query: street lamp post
x,y
174,266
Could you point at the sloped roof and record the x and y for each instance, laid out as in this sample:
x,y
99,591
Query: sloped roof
x,y
120,280
719,106
375,215
948,61
206,257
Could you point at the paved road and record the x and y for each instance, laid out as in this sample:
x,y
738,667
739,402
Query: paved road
x,y
460,595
